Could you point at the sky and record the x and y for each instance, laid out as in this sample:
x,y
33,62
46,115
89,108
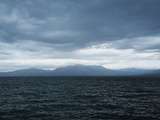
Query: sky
x,y
47,34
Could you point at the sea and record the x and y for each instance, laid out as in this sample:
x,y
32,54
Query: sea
x,y
79,98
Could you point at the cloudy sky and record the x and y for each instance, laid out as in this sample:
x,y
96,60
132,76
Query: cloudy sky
x,y
52,33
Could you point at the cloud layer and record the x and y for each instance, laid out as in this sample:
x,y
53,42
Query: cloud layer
x,y
52,33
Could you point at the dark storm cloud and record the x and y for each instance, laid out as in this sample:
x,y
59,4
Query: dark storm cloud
x,y
78,22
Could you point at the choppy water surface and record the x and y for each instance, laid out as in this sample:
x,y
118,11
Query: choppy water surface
x,y
81,98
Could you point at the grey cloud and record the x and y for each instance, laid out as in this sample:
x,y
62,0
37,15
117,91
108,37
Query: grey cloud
x,y
148,43
94,20
56,28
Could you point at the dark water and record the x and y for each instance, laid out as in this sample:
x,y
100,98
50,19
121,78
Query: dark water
x,y
81,98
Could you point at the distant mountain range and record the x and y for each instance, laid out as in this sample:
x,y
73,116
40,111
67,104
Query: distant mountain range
x,y
81,70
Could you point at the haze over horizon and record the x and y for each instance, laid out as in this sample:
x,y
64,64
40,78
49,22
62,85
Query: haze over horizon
x,y
47,34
